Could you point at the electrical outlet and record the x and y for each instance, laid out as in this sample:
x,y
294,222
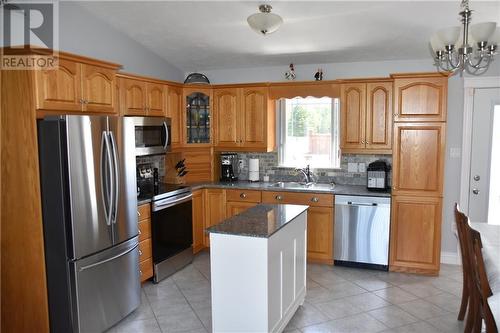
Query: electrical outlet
x,y
242,164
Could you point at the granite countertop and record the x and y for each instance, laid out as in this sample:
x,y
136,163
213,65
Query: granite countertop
x,y
260,221
265,186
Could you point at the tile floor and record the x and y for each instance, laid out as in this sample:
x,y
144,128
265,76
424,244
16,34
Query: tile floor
x,y
338,299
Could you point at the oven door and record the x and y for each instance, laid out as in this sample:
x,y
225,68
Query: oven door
x,y
171,226
152,135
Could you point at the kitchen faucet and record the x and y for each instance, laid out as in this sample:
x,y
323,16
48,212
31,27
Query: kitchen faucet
x,y
307,174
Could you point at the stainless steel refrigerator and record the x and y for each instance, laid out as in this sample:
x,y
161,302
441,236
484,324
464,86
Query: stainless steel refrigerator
x,y
89,202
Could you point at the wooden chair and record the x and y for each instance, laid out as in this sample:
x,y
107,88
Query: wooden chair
x,y
462,221
480,292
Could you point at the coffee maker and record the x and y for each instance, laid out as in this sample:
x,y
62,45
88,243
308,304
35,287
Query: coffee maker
x,y
229,167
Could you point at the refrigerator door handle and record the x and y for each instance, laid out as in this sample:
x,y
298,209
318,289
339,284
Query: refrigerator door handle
x,y
109,259
116,177
105,156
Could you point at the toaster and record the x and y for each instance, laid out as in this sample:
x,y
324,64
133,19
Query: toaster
x,y
378,175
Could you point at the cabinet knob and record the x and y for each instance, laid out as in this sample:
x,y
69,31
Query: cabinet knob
x,y
243,195
315,199
139,231
140,252
396,114
138,214
140,272
363,141
82,101
279,197
394,187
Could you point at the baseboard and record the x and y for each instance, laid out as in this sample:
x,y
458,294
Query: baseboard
x,y
451,258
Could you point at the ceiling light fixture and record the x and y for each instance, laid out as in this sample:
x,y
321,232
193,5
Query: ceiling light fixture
x,y
474,52
265,22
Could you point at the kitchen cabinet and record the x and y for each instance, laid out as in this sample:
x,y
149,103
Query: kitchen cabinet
x,y
245,119
418,159
174,109
415,234
197,117
420,98
198,221
240,200
76,86
142,98
320,219
215,208
199,164
145,248
366,117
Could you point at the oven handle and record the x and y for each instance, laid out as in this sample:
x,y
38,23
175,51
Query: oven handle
x,y
166,203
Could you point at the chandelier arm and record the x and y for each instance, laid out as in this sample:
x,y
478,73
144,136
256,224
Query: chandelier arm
x,y
477,65
449,62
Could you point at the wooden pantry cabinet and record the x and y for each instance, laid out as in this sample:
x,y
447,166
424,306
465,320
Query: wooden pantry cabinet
x,y
75,86
145,248
142,98
244,119
366,117
419,143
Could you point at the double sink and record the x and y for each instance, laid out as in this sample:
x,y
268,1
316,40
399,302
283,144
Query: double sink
x,y
298,186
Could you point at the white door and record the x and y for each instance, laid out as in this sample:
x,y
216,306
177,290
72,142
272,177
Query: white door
x,y
484,186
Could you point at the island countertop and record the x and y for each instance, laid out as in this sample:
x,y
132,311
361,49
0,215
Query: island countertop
x,y
260,221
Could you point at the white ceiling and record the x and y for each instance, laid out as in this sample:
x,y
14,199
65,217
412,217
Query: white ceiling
x,y
213,35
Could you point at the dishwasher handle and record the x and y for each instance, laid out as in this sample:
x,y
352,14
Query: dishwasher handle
x,y
362,204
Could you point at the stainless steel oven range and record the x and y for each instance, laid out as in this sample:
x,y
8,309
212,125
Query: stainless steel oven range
x,y
171,229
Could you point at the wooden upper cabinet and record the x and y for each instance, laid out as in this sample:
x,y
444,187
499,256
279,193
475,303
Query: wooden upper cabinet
x,y
133,99
352,115
379,115
418,158
156,99
59,89
174,110
98,89
227,119
254,109
420,98
415,234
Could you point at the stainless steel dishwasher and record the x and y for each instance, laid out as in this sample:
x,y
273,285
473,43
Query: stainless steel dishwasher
x,y
361,236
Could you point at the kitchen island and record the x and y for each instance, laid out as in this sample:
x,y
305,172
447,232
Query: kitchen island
x,y
258,268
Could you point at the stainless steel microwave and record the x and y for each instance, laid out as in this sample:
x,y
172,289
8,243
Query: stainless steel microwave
x,y
152,135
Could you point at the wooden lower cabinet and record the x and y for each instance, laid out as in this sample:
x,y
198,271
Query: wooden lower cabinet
x,y
320,234
215,209
145,248
415,243
236,207
198,221
240,200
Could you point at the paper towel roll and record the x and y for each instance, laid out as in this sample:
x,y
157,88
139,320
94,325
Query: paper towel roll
x,y
253,169
253,165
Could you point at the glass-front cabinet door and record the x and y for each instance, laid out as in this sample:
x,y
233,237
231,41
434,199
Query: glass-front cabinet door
x,y
198,116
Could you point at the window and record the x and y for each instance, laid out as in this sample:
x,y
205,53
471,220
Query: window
x,y
309,132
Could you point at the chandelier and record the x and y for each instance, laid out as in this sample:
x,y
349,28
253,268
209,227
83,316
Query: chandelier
x,y
457,49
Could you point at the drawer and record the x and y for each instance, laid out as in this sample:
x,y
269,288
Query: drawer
x,y
243,195
146,269
144,212
298,198
145,250
144,229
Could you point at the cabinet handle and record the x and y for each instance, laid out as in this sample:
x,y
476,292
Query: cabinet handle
x,y
82,101
138,214
279,197
315,199
243,195
396,114
140,252
140,231
140,272
394,187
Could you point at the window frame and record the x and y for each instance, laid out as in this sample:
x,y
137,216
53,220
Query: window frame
x,y
335,134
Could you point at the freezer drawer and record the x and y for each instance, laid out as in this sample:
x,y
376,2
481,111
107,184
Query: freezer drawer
x,y
362,230
107,287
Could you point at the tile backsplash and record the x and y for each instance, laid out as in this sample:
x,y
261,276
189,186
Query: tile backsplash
x,y
352,168
157,161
